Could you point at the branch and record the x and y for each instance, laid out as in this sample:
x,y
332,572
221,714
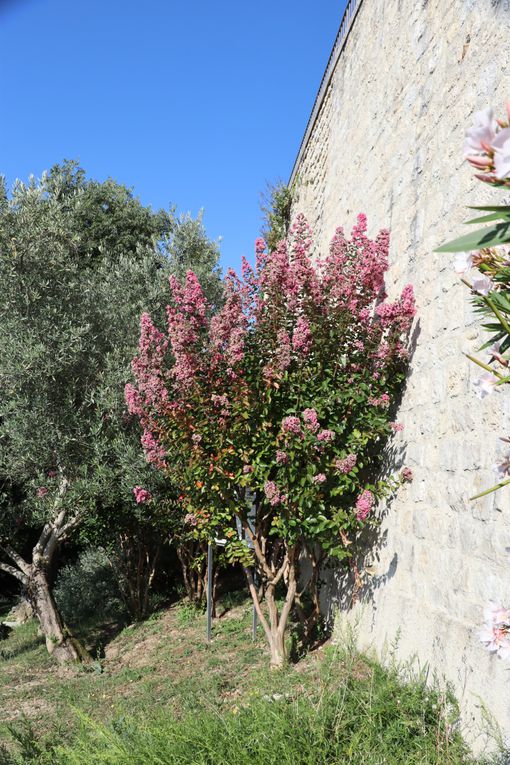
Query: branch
x,y
14,556
14,572
256,603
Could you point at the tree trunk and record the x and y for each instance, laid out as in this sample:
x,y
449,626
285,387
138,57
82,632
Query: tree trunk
x,y
62,646
275,625
34,577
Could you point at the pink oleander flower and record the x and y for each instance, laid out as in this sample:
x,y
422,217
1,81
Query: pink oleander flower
x,y
485,385
247,469
501,147
292,425
463,262
364,505
482,285
319,478
310,419
407,475
325,435
482,132
502,468
495,633
282,458
42,491
273,493
396,427
346,464
190,519
141,495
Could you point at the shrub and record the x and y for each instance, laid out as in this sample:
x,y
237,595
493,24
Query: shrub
x,y
89,589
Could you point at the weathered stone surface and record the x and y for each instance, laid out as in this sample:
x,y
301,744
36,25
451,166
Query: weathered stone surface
x,y
388,142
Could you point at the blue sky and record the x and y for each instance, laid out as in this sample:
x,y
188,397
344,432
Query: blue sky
x,y
196,104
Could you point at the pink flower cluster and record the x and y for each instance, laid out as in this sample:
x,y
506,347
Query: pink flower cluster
x,y
273,493
325,435
141,495
190,519
346,464
364,505
302,336
319,478
383,400
495,634
291,425
42,491
396,427
282,458
311,420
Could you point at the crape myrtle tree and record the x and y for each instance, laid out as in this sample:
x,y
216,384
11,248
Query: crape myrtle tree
x,y
280,403
80,261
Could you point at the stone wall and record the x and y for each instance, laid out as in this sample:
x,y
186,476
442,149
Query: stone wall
x,y
388,141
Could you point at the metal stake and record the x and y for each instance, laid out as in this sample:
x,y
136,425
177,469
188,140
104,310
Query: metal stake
x,y
254,620
209,591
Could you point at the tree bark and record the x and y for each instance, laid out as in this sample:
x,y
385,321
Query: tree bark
x,y
275,623
62,646
34,577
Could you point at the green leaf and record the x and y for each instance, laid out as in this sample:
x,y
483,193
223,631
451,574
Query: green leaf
x,y
505,209
492,236
488,218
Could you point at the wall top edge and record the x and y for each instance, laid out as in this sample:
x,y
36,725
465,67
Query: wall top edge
x,y
346,23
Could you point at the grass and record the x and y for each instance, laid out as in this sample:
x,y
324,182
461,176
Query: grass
x,y
162,696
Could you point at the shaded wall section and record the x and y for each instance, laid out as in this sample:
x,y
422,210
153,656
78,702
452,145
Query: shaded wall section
x,y
387,141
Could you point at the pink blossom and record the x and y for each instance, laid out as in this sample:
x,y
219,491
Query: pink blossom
x,y
154,451
482,285
141,495
196,438
364,505
346,464
495,633
326,435
502,468
292,425
52,473
463,262
310,419
501,146
396,427
190,519
282,458
485,384
319,478
407,475
247,469
272,493
482,132
260,245
42,491
383,400
302,336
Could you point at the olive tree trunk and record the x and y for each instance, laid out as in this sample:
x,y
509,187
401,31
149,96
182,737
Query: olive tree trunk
x,y
34,576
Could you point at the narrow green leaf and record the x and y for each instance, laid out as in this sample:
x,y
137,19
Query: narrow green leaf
x,y
492,236
488,218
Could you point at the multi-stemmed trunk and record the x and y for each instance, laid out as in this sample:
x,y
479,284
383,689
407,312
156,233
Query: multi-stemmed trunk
x,y
136,557
282,566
